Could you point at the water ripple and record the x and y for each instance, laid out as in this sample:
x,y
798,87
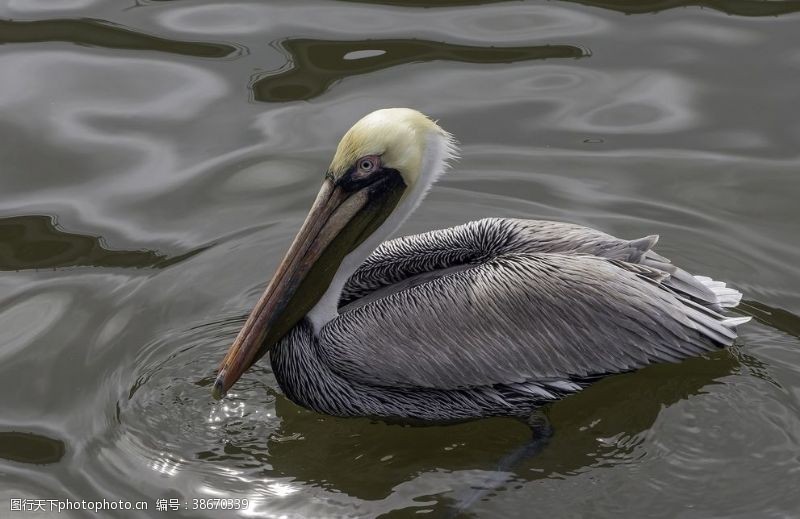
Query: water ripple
x,y
504,23
23,319
131,136
168,413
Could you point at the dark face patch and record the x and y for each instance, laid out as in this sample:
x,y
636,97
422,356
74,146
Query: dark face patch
x,y
364,172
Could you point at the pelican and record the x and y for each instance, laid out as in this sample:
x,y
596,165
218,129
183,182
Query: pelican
x,y
494,317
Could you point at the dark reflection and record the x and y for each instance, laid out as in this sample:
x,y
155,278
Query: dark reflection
x,y
427,3
378,457
104,34
316,64
35,242
25,447
775,317
737,7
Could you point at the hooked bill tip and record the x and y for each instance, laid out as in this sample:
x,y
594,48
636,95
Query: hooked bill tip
x,y
219,388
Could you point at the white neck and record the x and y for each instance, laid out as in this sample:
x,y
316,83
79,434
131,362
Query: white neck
x,y
438,150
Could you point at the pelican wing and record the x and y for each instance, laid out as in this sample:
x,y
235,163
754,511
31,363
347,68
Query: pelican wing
x,y
410,260
521,317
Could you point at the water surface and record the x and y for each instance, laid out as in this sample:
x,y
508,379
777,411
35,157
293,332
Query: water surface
x,y
157,158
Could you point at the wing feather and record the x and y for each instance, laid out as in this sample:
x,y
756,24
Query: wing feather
x,y
403,262
521,317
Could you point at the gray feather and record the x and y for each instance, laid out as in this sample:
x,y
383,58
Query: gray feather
x,y
497,317
518,318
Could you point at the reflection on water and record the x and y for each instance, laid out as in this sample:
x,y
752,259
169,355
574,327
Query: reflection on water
x,y
777,318
168,419
737,7
102,34
316,64
619,407
35,242
25,447
127,150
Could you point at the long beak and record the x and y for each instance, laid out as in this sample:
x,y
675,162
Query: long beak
x,y
342,216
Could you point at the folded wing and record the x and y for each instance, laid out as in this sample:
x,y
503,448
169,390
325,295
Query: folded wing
x,y
524,317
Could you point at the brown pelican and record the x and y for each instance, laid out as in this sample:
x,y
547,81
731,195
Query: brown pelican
x,y
494,317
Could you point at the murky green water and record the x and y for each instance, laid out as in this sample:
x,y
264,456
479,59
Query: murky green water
x,y
156,158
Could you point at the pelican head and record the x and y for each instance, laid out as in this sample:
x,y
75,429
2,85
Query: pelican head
x,y
382,168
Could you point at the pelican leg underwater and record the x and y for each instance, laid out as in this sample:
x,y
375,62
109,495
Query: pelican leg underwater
x,y
493,317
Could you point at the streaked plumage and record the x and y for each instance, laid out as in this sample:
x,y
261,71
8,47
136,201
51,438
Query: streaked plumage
x,y
493,317
508,314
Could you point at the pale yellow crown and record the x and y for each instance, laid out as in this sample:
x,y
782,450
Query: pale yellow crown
x,y
398,135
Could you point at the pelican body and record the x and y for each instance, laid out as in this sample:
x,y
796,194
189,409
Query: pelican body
x,y
495,317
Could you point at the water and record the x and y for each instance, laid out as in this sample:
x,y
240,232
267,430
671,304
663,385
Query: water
x,y
157,158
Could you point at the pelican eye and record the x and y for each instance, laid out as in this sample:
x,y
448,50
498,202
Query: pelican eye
x,y
368,164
